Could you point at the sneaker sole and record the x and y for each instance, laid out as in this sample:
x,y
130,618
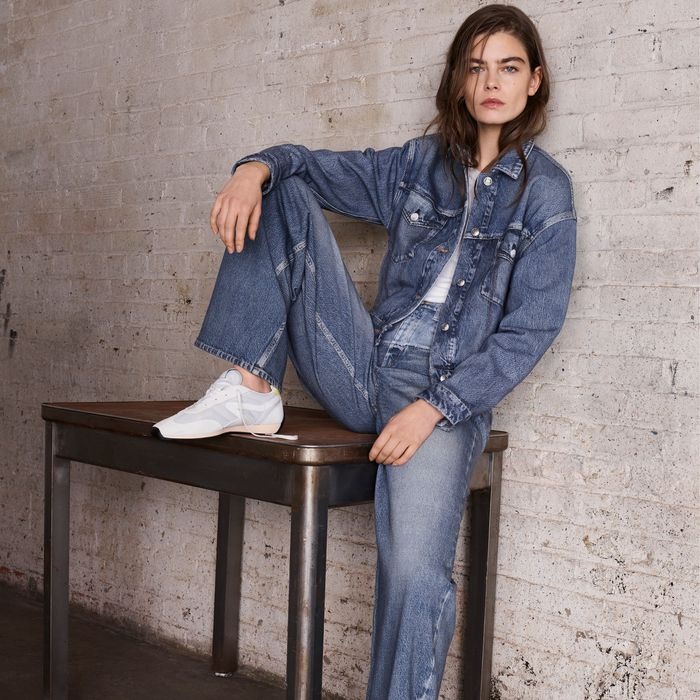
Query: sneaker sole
x,y
270,429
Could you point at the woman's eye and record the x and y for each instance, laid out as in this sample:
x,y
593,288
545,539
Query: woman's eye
x,y
475,69
510,69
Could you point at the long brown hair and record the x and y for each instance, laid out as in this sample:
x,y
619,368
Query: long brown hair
x,y
457,128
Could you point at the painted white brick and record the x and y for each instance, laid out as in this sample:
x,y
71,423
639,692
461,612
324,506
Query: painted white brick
x,y
124,121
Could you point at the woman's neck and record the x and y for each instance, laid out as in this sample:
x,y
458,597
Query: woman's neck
x,y
488,145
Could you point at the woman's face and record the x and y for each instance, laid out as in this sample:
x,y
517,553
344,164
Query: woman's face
x,y
499,80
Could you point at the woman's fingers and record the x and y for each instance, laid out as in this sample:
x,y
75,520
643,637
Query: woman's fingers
x,y
237,208
231,225
391,450
390,447
241,227
213,217
379,447
404,433
254,221
407,454
226,226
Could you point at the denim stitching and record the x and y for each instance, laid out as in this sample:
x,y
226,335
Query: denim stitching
x,y
287,261
343,357
450,588
272,345
431,675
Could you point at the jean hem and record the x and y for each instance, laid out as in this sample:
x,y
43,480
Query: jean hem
x,y
241,362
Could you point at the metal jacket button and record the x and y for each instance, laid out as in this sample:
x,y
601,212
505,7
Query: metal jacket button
x,y
461,283
475,232
443,377
487,181
415,216
512,252
445,327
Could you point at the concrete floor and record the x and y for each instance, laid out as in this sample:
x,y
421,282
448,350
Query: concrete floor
x,y
106,664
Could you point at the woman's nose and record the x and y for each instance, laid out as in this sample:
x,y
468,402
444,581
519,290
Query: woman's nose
x,y
491,81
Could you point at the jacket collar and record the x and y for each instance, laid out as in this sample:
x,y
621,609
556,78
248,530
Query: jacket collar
x,y
437,183
510,163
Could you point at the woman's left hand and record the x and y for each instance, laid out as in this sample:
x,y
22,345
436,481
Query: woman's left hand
x,y
404,433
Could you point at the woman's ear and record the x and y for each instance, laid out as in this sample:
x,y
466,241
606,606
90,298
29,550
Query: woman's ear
x,y
535,81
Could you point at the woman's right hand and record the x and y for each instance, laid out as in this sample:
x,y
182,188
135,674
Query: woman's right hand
x,y
238,206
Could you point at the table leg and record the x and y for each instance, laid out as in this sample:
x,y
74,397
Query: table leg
x,y
227,587
307,584
56,547
491,569
481,598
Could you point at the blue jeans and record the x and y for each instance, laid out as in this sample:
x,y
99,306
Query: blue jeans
x,y
289,294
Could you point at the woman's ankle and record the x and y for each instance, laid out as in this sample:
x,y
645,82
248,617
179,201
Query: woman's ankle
x,y
252,381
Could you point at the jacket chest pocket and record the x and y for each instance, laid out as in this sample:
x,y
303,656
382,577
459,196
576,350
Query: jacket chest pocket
x,y
419,222
497,279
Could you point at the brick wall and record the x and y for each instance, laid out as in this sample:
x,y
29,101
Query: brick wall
x,y
119,122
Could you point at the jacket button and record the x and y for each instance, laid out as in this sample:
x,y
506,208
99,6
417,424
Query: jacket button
x,y
475,232
443,377
445,326
415,216
512,252
461,283
488,181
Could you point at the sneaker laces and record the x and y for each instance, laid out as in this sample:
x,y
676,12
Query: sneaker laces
x,y
217,386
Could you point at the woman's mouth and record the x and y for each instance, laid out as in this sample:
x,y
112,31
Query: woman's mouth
x,y
490,104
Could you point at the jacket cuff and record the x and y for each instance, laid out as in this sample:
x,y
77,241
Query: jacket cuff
x,y
269,160
447,402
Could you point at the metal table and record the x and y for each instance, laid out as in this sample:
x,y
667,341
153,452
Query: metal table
x,y
327,467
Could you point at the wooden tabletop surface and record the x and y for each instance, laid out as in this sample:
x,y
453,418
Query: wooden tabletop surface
x,y
316,429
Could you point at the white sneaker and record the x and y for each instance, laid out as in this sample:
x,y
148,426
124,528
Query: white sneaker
x,y
227,407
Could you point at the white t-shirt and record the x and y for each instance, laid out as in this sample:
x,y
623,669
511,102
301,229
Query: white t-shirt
x,y
439,289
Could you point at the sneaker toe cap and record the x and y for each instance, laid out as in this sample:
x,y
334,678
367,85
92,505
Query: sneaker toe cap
x,y
179,427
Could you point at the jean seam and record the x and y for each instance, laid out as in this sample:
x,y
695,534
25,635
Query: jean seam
x,y
431,675
343,357
272,345
373,399
287,262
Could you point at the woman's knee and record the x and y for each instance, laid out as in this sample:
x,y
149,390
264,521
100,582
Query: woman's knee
x,y
415,568
292,191
290,211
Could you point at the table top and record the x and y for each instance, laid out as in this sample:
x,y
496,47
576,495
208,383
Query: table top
x,y
321,439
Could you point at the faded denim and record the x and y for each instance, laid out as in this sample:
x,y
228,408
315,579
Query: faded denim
x,y
511,288
418,509
289,295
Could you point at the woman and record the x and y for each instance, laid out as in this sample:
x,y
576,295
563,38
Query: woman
x,y
473,289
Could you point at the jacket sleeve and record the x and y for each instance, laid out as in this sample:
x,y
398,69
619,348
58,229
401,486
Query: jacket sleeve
x,y
360,184
534,313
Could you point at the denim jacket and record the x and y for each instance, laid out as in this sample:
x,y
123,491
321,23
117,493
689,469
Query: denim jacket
x,y
510,292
